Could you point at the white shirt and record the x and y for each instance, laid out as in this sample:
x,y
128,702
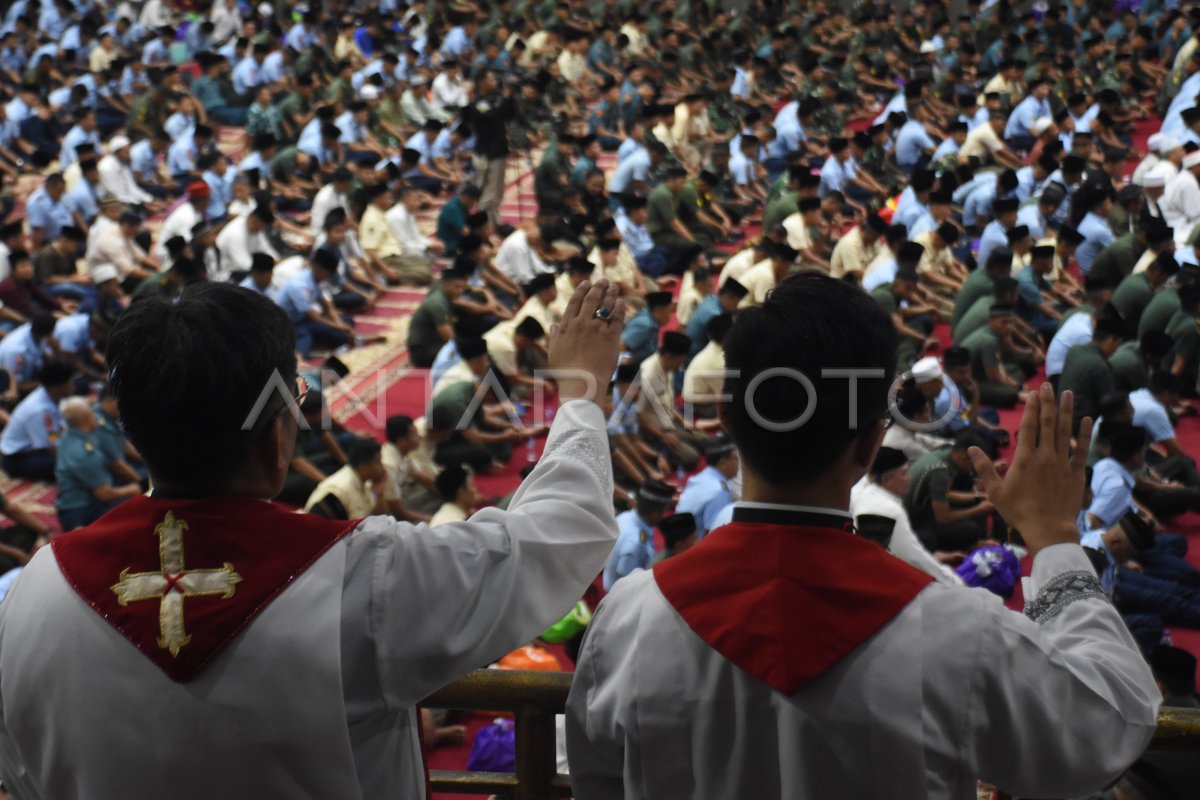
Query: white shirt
x,y
403,227
517,259
117,179
325,201
954,688
1181,204
448,92
868,497
178,223
370,639
237,246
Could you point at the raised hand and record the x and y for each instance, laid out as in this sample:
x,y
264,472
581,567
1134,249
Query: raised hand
x,y
584,348
1043,491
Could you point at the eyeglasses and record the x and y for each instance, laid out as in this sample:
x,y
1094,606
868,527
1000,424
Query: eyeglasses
x,y
263,423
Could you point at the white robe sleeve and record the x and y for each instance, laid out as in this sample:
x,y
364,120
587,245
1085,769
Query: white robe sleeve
x,y
1065,701
454,598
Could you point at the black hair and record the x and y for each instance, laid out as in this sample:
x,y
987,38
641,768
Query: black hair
x,y
811,322
398,427
450,480
187,376
362,451
1113,403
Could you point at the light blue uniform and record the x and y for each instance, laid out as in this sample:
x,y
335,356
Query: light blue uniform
x,y
51,216
1148,413
634,548
704,496
1096,236
299,296
35,424
994,235
72,333
446,358
20,354
1112,490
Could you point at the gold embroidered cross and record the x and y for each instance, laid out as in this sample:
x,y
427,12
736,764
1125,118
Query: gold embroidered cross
x,y
173,583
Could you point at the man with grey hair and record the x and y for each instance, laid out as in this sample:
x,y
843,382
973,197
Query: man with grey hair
x,y
85,484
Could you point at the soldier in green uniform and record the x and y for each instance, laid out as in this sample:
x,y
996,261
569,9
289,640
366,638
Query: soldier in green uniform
x,y
553,173
1132,361
1158,313
944,516
1086,371
662,220
1115,262
1133,294
1185,346
980,282
997,365
913,320
785,203
432,324
1004,292
829,120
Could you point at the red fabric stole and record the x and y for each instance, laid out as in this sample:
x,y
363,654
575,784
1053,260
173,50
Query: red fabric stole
x,y
785,602
181,578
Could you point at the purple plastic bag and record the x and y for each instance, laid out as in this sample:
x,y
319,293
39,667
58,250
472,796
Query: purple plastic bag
x,y
993,568
494,748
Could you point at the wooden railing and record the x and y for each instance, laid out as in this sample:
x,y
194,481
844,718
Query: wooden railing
x,y
534,698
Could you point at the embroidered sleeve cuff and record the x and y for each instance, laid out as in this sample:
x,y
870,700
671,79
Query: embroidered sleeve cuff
x,y
1064,577
1053,561
579,433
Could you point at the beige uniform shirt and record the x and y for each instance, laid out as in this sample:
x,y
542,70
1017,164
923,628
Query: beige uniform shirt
x,y
502,348
657,399
355,494
704,379
981,143
374,236
934,260
851,254
760,281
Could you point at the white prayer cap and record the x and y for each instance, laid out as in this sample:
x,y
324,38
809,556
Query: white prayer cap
x,y
1167,144
926,370
1153,181
118,142
369,92
928,46
104,272
1042,124
1154,142
265,9
1191,160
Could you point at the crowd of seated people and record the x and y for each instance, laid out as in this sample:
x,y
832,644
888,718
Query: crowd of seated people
x,y
973,173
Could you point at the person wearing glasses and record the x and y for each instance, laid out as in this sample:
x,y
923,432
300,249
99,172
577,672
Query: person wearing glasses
x,y
250,651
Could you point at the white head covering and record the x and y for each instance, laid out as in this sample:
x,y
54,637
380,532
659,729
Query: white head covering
x,y
369,92
1166,144
117,142
1154,142
1153,181
926,370
1042,124
1191,160
928,46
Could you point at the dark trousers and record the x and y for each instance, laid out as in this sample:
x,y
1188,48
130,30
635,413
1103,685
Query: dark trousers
x,y
459,451
30,465
1137,593
1167,503
998,395
310,332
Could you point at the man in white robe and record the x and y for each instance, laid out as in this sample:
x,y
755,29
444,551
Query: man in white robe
x,y
881,494
1181,201
250,652
183,218
785,657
